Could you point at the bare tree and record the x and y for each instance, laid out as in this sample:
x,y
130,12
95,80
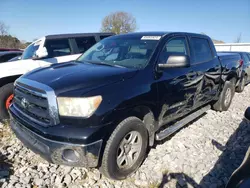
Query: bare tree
x,y
119,22
3,29
238,39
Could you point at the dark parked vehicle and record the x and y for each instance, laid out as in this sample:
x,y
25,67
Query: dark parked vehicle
x,y
107,107
245,77
9,49
15,58
6,56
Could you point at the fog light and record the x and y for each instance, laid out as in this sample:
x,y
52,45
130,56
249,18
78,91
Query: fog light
x,y
70,155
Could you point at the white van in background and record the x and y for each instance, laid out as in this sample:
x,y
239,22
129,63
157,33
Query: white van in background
x,y
42,52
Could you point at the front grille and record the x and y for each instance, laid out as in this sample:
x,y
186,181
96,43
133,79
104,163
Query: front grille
x,y
32,103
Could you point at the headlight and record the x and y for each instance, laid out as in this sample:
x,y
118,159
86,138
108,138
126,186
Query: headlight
x,y
78,107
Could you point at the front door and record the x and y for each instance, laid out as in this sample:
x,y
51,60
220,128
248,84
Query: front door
x,y
176,86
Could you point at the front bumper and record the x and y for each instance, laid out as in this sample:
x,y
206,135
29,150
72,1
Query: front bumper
x,y
58,152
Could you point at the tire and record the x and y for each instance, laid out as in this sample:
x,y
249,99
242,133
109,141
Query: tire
x,y
5,96
226,97
112,151
241,86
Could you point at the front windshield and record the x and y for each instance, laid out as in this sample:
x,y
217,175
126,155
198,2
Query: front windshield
x,y
29,52
132,52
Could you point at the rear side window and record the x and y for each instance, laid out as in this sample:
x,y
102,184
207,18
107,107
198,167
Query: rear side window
x,y
201,50
104,36
58,47
84,43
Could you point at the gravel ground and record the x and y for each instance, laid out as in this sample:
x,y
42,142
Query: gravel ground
x,y
203,154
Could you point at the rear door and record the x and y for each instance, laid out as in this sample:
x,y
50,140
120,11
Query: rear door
x,y
207,67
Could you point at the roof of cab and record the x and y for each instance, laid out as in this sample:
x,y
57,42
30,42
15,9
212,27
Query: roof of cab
x,y
238,52
157,33
228,55
60,36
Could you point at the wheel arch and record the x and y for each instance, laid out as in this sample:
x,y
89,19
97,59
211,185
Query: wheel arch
x,y
8,79
145,114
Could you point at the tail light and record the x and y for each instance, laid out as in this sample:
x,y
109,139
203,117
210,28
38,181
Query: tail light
x,y
241,62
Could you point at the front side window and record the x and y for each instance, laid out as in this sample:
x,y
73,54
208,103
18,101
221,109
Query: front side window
x,y
175,46
130,52
201,50
29,52
84,43
58,47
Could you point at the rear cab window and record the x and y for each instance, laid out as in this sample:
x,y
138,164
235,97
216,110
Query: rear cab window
x,y
84,43
201,50
57,47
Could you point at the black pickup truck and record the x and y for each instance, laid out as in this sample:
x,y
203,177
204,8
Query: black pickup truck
x,y
109,106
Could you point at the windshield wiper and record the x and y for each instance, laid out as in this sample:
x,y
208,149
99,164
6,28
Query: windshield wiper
x,y
105,64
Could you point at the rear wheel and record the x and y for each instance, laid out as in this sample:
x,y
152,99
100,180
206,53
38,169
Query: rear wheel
x,y
125,149
226,97
6,97
241,86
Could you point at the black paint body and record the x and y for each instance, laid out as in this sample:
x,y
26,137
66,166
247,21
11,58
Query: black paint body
x,y
167,94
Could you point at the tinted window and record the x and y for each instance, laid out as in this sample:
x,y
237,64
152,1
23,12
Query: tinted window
x,y
202,50
58,47
175,46
245,57
104,36
7,57
84,43
248,56
29,52
130,52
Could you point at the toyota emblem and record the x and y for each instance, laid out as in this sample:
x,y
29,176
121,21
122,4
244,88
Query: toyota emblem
x,y
24,103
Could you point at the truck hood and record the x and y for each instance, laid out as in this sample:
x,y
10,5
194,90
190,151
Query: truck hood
x,y
80,77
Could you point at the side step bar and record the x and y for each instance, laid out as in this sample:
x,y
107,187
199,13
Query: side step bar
x,y
170,130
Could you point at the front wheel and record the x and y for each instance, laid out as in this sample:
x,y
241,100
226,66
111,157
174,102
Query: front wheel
x,y
6,97
125,150
226,97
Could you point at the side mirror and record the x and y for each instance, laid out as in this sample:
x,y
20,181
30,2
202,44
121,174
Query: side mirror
x,y
176,61
40,53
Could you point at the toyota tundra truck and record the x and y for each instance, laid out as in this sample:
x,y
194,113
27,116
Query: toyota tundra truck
x,y
109,106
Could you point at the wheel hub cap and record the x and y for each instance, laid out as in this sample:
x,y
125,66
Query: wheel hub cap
x,y
129,150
